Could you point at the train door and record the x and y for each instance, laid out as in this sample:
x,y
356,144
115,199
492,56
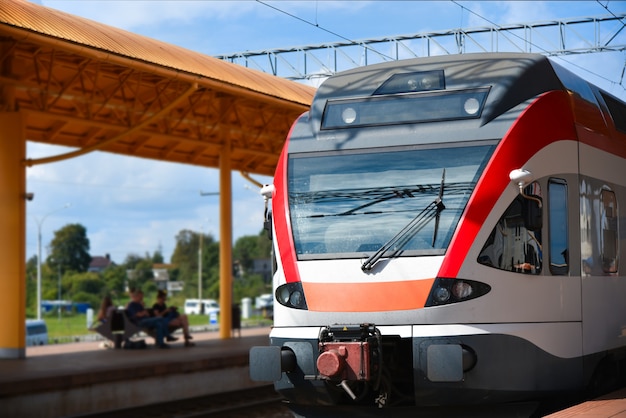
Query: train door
x,y
563,242
603,283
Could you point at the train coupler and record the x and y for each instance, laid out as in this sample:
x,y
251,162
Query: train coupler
x,y
349,353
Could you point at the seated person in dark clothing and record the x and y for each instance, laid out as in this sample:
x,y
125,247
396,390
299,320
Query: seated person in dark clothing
x,y
174,318
141,316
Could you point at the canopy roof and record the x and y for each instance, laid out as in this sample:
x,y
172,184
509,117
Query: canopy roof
x,y
87,85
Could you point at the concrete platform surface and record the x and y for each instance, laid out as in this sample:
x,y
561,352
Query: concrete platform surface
x,y
81,378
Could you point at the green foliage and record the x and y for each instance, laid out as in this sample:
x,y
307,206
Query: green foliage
x,y
250,286
251,247
140,275
69,249
114,278
31,287
74,283
79,285
92,299
157,257
185,258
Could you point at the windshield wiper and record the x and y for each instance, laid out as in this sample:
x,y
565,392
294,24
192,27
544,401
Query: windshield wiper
x,y
416,224
438,215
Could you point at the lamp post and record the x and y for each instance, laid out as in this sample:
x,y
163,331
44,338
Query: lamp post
x,y
200,256
39,223
201,305
60,303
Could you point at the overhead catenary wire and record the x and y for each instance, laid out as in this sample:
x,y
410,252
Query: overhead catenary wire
x,y
543,49
316,25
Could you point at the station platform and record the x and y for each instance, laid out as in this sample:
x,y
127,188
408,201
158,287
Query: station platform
x,y
611,405
66,380
71,380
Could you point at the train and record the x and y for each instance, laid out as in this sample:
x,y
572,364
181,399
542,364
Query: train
x,y
448,231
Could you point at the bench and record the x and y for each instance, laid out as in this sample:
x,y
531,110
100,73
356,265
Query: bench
x,y
119,328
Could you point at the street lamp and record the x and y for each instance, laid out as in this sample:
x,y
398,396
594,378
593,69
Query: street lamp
x,y
39,223
59,305
201,305
200,255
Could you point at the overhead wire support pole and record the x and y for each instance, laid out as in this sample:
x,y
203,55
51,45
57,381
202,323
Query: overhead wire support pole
x,y
548,37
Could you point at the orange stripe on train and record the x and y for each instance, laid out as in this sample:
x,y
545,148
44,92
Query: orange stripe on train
x,y
367,297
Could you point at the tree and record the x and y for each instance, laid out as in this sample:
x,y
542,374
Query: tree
x,y
157,257
114,278
31,286
185,257
251,247
139,272
83,287
69,249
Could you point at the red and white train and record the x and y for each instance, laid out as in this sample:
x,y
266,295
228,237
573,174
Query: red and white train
x,y
448,231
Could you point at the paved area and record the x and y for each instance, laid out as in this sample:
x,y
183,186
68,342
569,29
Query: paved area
x,y
612,405
79,378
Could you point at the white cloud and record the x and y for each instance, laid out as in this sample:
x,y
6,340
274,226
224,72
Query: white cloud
x,y
131,205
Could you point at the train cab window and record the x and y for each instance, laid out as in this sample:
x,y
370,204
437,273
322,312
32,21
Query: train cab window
x,y
515,242
609,232
558,229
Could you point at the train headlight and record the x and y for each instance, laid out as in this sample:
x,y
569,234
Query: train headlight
x,y
471,106
441,294
284,295
291,295
461,289
446,291
348,115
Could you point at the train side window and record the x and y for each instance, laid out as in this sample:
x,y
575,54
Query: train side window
x,y
515,242
558,229
609,232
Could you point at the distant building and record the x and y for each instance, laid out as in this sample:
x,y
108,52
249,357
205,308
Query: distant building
x,y
99,263
161,275
162,278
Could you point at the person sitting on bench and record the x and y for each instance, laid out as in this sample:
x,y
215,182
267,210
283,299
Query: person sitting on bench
x,y
140,316
174,318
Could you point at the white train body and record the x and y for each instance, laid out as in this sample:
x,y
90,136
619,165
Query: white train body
x,y
449,230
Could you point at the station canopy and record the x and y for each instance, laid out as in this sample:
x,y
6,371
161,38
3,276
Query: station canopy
x,y
87,85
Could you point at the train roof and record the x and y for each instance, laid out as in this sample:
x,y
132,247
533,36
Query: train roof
x,y
512,77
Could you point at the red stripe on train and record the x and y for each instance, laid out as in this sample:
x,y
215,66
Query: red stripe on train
x,y
548,119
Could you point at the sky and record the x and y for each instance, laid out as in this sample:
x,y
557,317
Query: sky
x,y
138,206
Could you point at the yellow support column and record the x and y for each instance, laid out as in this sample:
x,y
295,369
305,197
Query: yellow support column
x,y
226,243
13,232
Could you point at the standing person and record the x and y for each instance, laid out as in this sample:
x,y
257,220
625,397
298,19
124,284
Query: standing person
x,y
139,315
171,314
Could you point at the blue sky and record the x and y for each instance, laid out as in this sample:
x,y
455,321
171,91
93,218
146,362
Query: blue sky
x,y
132,205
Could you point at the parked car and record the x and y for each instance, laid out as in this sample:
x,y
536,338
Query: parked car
x,y
264,301
208,306
36,332
265,305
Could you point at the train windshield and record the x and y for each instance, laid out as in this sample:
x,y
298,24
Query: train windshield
x,y
349,204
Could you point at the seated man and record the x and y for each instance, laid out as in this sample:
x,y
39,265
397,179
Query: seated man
x,y
140,316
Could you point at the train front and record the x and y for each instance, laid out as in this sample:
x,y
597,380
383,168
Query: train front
x,y
369,195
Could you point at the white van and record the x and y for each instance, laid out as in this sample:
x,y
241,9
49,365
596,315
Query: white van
x,y
193,307
36,332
